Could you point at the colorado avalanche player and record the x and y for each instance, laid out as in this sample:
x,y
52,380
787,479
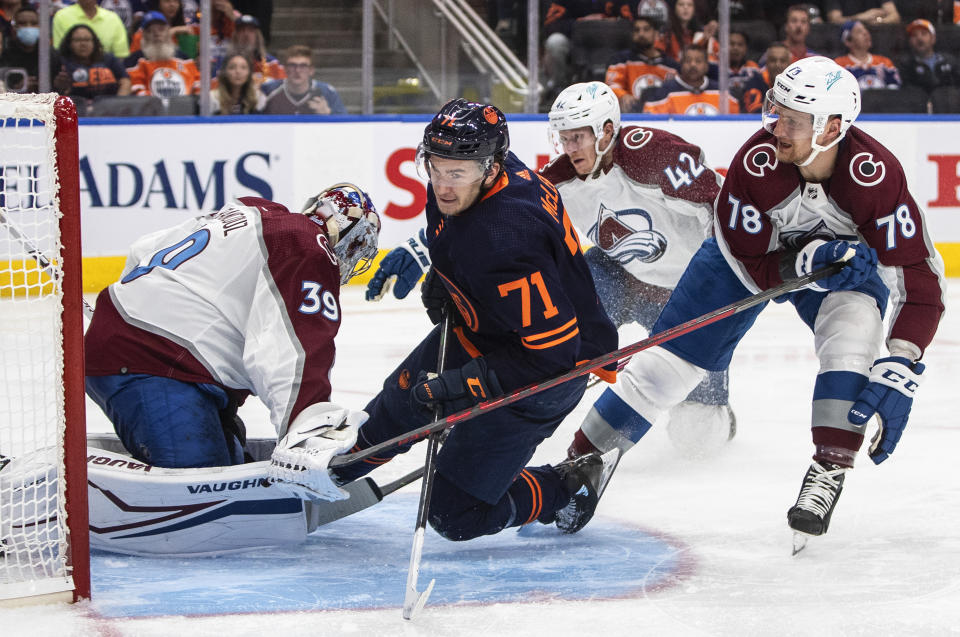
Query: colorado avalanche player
x,y
644,198
242,301
809,190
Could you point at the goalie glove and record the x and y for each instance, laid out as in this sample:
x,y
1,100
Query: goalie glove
x,y
818,254
299,464
458,389
889,395
401,268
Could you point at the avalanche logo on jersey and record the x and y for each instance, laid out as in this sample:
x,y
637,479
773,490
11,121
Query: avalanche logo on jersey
x,y
637,138
796,238
626,235
167,83
865,171
759,158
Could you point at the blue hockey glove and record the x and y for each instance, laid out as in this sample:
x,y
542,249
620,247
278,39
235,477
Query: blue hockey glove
x,y
458,389
818,254
889,395
404,265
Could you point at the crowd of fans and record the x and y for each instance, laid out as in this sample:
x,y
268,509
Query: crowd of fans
x,y
108,49
668,61
671,65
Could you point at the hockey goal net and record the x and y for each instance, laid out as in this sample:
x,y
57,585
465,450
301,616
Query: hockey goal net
x,y
43,496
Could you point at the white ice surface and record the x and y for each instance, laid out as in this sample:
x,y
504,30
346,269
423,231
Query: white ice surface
x,y
890,564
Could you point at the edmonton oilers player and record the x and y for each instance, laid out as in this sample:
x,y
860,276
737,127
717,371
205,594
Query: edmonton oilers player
x,y
807,191
504,250
644,198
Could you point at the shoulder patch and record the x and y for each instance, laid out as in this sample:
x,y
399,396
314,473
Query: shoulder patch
x,y
637,138
524,174
866,171
758,159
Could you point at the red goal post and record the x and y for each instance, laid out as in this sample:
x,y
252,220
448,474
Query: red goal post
x,y
44,537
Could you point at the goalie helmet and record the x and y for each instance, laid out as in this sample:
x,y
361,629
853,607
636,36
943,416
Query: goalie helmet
x,y
352,226
818,86
590,104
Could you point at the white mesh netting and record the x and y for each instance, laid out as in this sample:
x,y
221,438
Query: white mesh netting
x,y
33,536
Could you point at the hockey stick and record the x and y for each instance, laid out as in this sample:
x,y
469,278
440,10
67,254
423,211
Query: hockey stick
x,y
585,368
413,600
38,256
364,493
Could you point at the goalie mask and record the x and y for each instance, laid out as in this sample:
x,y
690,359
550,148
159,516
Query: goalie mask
x,y
352,225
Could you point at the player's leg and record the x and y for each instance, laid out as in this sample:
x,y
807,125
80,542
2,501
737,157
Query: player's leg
x,y
482,485
165,422
393,412
848,328
625,298
657,379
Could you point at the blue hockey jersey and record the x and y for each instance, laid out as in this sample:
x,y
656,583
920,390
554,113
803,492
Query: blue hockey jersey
x,y
514,267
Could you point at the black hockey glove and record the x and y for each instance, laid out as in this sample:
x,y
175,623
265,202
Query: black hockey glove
x,y
458,389
434,295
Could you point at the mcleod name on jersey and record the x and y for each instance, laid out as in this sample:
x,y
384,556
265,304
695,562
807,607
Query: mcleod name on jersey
x,y
766,212
268,330
513,265
654,205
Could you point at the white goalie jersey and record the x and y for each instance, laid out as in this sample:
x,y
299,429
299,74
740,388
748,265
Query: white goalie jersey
x,y
246,298
651,210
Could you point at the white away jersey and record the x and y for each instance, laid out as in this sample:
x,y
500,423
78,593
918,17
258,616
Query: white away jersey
x,y
651,211
246,298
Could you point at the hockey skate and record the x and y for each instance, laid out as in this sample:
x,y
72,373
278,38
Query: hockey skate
x,y
586,477
819,493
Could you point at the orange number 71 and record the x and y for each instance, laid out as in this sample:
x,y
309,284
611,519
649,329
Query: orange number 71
x,y
523,285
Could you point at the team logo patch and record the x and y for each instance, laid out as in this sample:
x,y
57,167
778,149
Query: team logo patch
x,y
865,171
637,138
403,380
167,83
490,115
759,158
627,235
701,108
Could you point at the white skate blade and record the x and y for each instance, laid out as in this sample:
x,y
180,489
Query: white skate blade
x,y
414,601
610,461
799,541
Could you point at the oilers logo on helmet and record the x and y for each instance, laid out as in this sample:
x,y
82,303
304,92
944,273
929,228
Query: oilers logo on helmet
x,y
627,235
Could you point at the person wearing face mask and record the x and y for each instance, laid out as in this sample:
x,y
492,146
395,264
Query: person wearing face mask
x,y
22,49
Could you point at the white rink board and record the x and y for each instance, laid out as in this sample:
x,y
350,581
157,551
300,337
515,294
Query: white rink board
x,y
137,177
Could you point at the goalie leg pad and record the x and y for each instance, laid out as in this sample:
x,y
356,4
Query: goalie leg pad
x,y
299,465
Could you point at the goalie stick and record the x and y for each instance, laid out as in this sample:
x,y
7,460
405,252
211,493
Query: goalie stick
x,y
585,368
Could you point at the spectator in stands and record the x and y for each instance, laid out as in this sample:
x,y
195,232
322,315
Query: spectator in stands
x,y
124,10
778,59
922,66
7,9
86,69
640,67
691,93
105,23
262,10
867,11
248,39
795,33
159,72
23,51
299,93
149,18
558,28
872,71
741,67
237,92
222,28
180,31
685,29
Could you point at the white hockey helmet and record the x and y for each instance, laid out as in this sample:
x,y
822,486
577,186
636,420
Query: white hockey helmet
x,y
590,104
818,86
351,223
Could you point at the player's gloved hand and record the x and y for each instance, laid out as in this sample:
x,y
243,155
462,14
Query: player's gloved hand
x,y
458,389
889,395
818,254
401,268
299,465
434,295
